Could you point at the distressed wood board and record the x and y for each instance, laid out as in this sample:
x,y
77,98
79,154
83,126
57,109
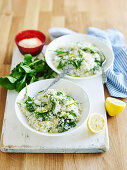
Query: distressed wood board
x,y
16,138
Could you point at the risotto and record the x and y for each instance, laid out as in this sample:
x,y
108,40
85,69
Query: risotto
x,y
86,59
53,111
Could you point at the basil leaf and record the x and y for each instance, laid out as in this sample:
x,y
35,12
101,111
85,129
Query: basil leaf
x,y
27,69
33,79
27,59
35,62
21,84
8,82
11,79
16,75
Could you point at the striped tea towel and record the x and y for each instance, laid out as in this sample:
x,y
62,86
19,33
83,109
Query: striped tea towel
x,y
117,75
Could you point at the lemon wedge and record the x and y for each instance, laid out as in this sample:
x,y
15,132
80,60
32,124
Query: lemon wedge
x,y
96,123
114,106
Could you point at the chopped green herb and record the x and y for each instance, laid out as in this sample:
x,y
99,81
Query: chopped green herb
x,y
63,101
36,115
61,51
79,52
49,129
61,65
76,102
46,116
30,104
70,97
43,104
96,68
73,113
53,101
19,103
89,50
98,62
59,93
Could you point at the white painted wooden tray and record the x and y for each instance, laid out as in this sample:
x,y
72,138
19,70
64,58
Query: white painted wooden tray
x,y
16,138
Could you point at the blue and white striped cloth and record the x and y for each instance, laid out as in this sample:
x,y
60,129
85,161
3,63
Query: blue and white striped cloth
x,y
117,75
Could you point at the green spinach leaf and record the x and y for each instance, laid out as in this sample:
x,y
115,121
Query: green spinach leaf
x,y
8,82
30,104
21,84
27,59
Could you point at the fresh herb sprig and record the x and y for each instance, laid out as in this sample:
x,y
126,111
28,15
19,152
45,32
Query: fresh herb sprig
x,y
64,124
27,72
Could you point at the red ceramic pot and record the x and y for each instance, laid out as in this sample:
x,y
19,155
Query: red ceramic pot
x,y
30,34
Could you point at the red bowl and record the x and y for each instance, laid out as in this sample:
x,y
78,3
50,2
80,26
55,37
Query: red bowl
x,y
30,34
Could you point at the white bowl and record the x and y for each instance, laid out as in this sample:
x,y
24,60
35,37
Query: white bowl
x,y
76,91
67,39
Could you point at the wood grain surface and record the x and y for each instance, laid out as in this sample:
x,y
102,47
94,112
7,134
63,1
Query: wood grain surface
x,y
17,15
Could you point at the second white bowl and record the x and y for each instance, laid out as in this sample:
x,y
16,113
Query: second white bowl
x,y
67,39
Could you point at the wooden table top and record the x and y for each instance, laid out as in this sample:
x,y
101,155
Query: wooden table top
x,y
17,15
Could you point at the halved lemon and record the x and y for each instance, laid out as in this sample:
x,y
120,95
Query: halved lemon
x,y
96,123
114,106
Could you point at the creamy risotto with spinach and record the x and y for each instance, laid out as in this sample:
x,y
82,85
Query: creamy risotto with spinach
x,y
53,111
85,58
